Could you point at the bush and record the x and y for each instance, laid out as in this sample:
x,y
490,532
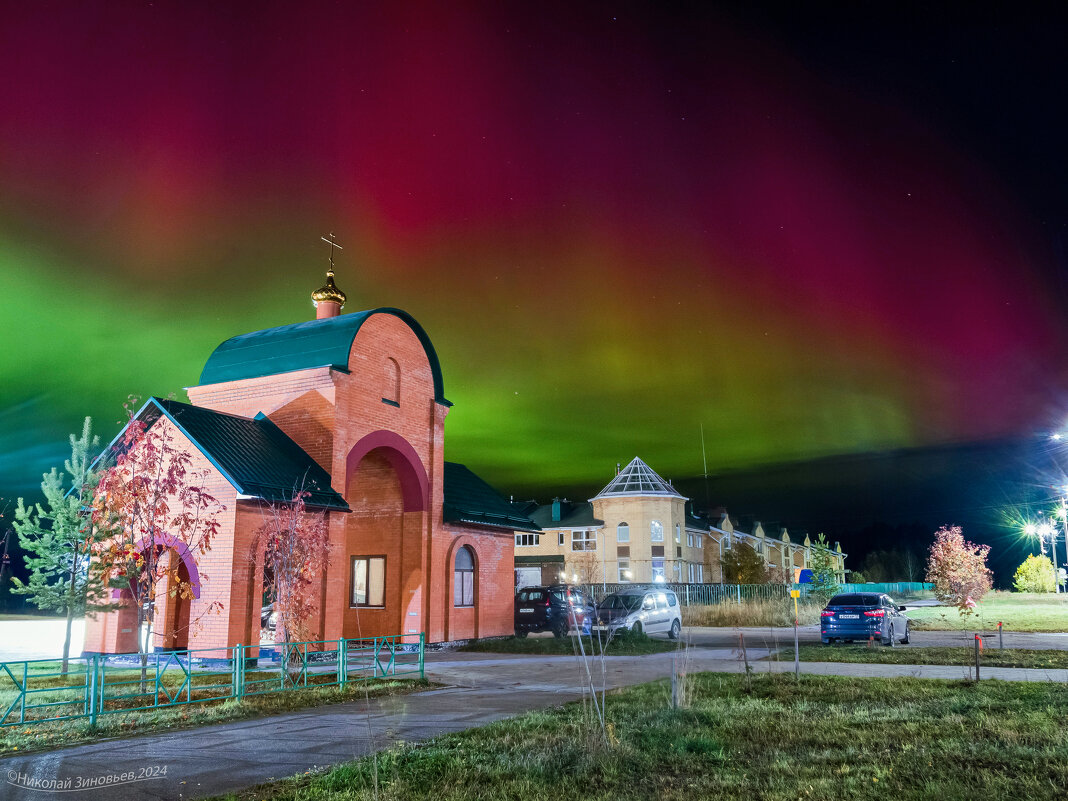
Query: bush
x,y
1036,574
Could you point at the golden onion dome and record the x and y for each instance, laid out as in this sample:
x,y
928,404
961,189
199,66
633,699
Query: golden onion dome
x,y
328,291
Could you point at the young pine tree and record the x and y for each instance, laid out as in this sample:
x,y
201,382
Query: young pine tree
x,y
58,538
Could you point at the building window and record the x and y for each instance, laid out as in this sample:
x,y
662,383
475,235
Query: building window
x,y
624,571
760,546
727,541
584,540
699,572
689,538
698,540
560,538
658,569
691,574
526,539
463,578
368,580
623,533
678,534
656,531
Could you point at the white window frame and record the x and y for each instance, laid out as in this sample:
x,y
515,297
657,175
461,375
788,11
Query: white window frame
x,y
527,539
689,539
698,540
623,567
560,538
658,572
583,539
656,531
726,541
678,534
623,532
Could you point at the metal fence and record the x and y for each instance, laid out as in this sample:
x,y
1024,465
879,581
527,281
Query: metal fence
x,y
36,691
708,594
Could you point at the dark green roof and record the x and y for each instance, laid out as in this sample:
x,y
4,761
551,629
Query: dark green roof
x,y
254,455
572,515
301,346
539,560
469,499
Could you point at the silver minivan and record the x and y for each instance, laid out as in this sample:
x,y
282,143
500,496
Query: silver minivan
x,y
640,609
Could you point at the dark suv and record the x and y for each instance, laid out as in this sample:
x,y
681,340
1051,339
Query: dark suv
x,y
559,609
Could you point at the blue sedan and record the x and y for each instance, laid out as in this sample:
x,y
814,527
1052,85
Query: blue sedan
x,y
862,616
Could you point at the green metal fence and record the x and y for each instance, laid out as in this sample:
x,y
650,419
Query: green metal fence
x,y
37,690
708,594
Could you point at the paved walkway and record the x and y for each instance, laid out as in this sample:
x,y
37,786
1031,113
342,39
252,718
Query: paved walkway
x,y
481,688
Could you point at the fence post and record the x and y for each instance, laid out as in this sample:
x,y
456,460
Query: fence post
x,y
738,589
239,671
92,679
422,643
977,647
687,594
342,662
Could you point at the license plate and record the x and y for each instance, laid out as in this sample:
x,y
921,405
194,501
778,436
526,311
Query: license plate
x,y
531,609
849,617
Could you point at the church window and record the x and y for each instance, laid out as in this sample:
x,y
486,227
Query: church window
x,y
584,540
656,531
463,578
527,539
368,580
623,533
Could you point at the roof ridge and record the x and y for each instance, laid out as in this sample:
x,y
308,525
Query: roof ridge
x,y
638,478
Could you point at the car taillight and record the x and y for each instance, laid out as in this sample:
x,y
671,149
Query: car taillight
x,y
875,613
547,603
826,613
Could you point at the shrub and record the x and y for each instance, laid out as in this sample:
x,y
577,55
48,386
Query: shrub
x,y
958,570
1036,574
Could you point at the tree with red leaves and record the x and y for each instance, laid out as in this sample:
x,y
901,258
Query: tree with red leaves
x,y
156,507
958,569
295,543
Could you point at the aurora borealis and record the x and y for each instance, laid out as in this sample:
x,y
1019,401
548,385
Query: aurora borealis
x,y
618,224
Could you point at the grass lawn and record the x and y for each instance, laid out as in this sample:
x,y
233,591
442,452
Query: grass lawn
x,y
1019,611
824,738
43,736
913,655
622,644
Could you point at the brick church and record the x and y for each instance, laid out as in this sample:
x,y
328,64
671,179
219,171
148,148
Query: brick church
x,y
352,408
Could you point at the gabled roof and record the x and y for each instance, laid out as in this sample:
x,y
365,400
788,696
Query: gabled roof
x,y
469,499
637,478
254,455
572,515
301,346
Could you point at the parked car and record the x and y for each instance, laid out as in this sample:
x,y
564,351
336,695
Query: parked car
x,y
559,608
640,609
268,617
863,615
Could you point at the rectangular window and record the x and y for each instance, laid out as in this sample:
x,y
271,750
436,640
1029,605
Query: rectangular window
x,y
560,538
526,539
584,540
624,571
622,533
678,534
691,574
699,571
656,531
727,541
698,540
658,569
368,580
689,538
463,588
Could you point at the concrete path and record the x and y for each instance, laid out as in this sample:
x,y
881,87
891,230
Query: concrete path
x,y
482,688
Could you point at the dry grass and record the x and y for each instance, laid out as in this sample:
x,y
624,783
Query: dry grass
x,y
752,613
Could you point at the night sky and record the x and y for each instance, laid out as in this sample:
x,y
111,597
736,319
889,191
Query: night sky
x,y
837,234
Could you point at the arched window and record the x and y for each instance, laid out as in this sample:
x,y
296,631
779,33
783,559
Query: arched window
x,y
463,578
623,532
392,384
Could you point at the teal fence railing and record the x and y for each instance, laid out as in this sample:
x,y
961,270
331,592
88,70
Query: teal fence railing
x,y
37,690
708,594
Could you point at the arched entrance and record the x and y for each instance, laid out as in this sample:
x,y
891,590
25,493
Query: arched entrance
x,y
387,490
